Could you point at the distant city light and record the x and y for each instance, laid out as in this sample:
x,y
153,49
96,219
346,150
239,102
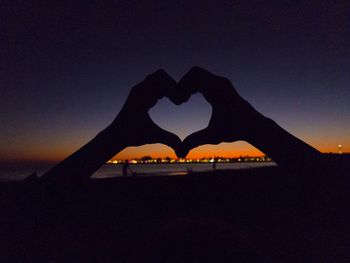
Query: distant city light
x,y
149,160
339,149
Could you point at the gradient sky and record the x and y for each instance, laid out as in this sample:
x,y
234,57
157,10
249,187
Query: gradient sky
x,y
68,66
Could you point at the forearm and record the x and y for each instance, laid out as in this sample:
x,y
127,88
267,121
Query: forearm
x,y
284,148
88,159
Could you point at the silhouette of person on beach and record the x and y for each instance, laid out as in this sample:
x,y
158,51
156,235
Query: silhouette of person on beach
x,y
233,119
125,168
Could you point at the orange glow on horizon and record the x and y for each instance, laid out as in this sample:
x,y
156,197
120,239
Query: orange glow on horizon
x,y
229,150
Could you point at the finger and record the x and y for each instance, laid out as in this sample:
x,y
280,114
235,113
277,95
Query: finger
x,y
189,84
159,83
160,135
145,95
194,140
216,89
179,95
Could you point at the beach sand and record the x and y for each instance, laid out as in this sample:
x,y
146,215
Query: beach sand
x,y
257,215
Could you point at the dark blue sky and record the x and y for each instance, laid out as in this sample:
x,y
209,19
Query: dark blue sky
x,y
67,66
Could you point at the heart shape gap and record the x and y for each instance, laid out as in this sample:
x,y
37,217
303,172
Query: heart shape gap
x,y
184,119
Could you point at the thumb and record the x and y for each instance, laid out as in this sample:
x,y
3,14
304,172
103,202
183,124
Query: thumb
x,y
165,137
194,140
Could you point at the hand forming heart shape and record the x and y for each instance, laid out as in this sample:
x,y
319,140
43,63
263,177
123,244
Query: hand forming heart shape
x,y
233,118
230,121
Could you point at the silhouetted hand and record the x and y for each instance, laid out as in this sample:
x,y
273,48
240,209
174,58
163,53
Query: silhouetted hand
x,y
232,119
231,116
133,124
132,127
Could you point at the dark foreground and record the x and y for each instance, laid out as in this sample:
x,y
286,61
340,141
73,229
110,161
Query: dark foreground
x,y
261,215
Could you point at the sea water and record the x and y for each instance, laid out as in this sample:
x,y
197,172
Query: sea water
x,y
173,169
111,170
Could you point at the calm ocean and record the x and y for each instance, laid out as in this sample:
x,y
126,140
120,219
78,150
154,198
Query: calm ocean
x,y
174,169
107,171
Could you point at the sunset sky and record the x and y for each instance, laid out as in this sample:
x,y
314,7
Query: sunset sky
x,y
66,68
